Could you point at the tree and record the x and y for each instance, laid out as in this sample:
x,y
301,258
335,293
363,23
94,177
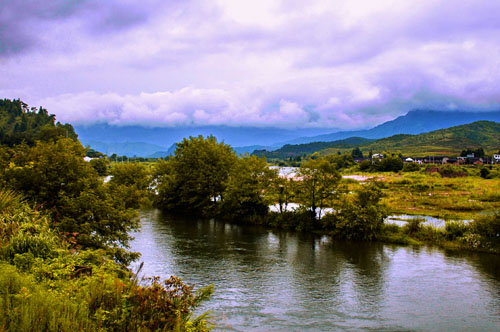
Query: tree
x,y
55,177
249,181
357,153
317,186
281,192
359,219
194,180
131,182
100,165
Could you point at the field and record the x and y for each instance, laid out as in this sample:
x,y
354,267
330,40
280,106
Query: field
x,y
422,193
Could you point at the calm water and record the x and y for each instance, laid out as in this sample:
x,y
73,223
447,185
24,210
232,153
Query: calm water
x,y
281,281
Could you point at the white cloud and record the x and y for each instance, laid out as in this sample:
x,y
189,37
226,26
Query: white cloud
x,y
288,64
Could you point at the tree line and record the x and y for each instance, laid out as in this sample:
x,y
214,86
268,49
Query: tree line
x,y
206,178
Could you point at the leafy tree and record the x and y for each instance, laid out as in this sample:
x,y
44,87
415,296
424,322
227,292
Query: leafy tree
x,y
318,185
130,182
249,180
359,219
357,153
91,153
194,179
54,176
281,192
341,161
388,164
484,172
478,153
100,165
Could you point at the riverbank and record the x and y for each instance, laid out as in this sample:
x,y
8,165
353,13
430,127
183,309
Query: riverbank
x,y
481,235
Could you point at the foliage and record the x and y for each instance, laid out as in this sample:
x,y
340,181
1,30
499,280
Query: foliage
x,y
281,191
44,286
195,179
341,161
10,200
318,185
357,153
478,153
359,219
388,164
294,150
54,176
100,165
249,180
131,183
411,167
19,123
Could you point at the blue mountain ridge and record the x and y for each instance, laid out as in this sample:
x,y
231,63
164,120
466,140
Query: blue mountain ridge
x,y
159,142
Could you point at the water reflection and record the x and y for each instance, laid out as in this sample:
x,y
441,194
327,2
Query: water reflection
x,y
281,281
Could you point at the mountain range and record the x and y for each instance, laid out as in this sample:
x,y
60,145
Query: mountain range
x,y
159,142
448,142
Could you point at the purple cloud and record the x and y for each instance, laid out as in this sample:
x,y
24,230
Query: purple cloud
x,y
288,64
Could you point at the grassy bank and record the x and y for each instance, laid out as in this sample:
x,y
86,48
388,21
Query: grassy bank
x,y
48,284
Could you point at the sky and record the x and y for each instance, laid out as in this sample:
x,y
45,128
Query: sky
x,y
289,64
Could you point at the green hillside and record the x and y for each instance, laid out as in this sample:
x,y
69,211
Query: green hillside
x,y
450,141
292,150
19,123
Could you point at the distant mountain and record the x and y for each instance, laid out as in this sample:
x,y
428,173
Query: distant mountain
x,y
290,150
449,141
131,149
414,122
107,138
250,148
165,137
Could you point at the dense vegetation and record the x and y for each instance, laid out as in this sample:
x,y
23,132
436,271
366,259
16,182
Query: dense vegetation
x,y
64,235
206,178
19,123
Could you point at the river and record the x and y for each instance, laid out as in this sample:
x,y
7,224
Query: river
x,y
267,280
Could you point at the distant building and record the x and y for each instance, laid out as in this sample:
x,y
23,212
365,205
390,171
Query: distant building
x,y
377,156
496,158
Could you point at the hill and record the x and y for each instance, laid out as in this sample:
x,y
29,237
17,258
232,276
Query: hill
x,y
414,122
450,141
20,123
290,150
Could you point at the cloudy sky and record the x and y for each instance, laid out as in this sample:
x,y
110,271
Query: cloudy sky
x,y
316,63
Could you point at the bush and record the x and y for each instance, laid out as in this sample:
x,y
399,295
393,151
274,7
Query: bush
x,y
361,219
411,167
455,229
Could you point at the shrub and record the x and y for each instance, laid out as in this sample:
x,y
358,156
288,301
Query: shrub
x,y
455,229
411,167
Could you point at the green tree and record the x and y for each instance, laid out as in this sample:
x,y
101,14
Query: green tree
x,y
194,180
100,165
357,153
55,177
359,219
248,186
131,182
281,192
318,185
